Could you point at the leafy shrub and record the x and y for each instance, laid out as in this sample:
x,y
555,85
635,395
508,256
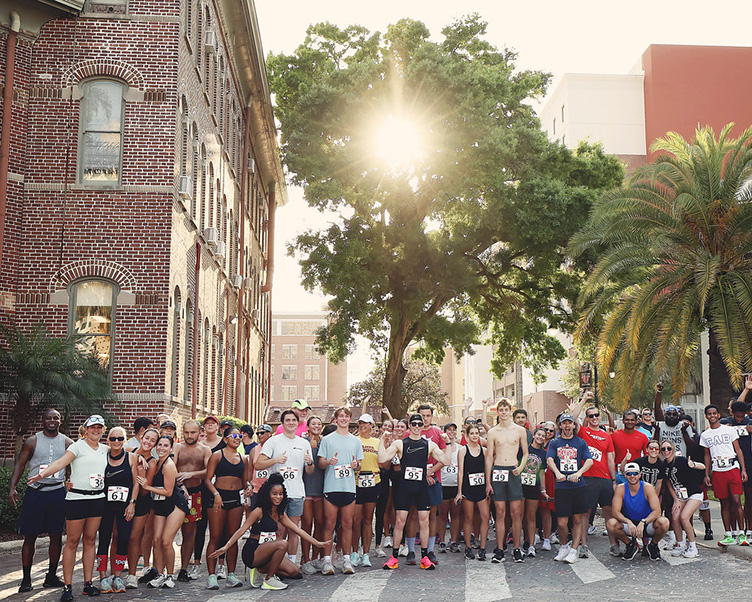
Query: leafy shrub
x,y
9,515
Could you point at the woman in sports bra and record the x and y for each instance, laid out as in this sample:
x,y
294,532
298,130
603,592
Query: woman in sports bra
x,y
263,553
471,474
169,506
121,491
226,478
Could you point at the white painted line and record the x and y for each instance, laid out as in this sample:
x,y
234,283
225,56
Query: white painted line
x,y
486,582
365,586
677,560
590,570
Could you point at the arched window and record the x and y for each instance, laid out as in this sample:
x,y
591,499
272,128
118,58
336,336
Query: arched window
x,y
199,53
185,143
202,197
92,316
177,311
189,345
100,147
211,195
205,377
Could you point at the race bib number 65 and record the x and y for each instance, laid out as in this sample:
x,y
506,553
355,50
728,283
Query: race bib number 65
x,y
366,480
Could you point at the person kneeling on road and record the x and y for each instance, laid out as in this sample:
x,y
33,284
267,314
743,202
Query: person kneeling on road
x,y
636,512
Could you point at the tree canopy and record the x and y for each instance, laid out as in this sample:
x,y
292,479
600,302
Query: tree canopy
x,y
453,210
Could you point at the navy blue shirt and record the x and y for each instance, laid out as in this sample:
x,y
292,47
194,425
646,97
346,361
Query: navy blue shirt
x,y
569,456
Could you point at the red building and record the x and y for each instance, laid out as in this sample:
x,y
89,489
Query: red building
x,y
139,175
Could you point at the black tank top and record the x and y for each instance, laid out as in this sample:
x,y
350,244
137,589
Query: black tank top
x,y
225,468
118,476
159,478
414,455
266,524
473,465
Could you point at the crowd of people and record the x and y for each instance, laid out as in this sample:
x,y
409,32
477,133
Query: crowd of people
x,y
314,498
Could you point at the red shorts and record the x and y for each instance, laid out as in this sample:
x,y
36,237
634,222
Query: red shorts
x,y
194,507
727,483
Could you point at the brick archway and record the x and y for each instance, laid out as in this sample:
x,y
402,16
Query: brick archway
x,y
104,67
93,268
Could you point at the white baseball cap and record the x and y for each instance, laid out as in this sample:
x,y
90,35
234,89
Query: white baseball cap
x,y
366,417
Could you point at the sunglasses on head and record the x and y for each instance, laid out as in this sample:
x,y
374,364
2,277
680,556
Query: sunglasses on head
x,y
116,438
631,474
596,415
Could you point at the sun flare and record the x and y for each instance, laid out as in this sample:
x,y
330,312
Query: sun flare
x,y
398,143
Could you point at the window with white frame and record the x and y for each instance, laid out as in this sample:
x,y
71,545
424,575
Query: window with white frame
x,y
289,392
92,317
312,392
101,132
289,352
312,372
289,373
311,353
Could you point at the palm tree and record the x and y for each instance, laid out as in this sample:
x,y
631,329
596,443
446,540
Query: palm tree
x,y
39,371
675,259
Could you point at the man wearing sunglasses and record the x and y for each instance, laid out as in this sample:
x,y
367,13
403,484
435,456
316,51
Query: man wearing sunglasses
x,y
636,513
668,425
414,452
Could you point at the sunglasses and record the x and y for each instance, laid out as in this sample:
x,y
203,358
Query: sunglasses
x,y
549,430
647,413
594,415
235,436
672,413
116,438
416,424
631,474
667,448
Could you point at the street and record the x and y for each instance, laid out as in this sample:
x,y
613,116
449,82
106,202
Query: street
x,y
601,578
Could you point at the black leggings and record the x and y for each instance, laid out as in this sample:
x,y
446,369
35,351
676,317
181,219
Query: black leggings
x,y
114,511
381,505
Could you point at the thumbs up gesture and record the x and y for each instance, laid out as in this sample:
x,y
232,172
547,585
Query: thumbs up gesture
x,y
333,460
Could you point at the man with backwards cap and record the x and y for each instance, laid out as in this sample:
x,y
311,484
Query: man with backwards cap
x,y
637,512
301,408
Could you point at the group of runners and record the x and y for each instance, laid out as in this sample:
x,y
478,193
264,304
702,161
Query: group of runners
x,y
309,485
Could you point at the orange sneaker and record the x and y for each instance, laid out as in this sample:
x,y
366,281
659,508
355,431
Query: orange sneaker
x,y
425,563
391,564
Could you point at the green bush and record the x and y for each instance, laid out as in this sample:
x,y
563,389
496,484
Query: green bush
x,y
236,422
9,515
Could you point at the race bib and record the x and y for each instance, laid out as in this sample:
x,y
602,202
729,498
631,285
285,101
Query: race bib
x,y
266,536
366,480
721,462
681,492
289,473
741,430
528,479
96,481
413,473
476,478
157,498
596,453
395,460
117,494
568,466
262,474
342,471
451,469
500,475
242,497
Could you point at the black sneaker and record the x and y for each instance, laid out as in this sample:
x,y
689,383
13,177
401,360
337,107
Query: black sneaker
x,y
645,553
90,590
482,555
150,576
67,594
631,550
708,535
518,555
52,580
498,556
183,576
411,558
432,558
470,555
25,586
653,551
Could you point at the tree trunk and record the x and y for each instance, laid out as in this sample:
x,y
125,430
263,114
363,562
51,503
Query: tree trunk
x,y
721,390
394,373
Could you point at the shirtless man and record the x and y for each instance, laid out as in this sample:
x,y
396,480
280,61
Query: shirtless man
x,y
191,458
503,468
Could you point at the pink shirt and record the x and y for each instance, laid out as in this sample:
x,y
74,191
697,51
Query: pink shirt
x,y
300,431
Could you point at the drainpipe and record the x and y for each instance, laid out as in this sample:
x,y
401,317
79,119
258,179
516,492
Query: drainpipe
x,y
270,239
10,68
194,379
242,259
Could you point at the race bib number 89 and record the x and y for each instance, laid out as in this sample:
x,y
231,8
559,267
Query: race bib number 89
x,y
342,472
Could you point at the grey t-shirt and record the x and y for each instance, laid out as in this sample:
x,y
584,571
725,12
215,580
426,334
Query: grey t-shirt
x,y
348,448
314,482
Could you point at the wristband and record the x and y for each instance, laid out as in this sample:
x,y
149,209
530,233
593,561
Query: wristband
x,y
216,493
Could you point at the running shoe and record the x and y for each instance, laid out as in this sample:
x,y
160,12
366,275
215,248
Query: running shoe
x,y
391,564
403,550
67,594
742,540
169,581
388,542
411,559
354,559
645,553
273,582
708,535
517,555
365,560
432,558
117,585
678,551
318,564
571,558
531,551
591,530
454,547
615,549
728,540
546,545
443,547
211,582
482,555
328,568
690,553
653,551
157,582
554,538
347,568
233,581
380,553
475,543
148,574
537,539
52,580
90,589
583,551
221,571
308,568
337,559
469,554
131,582
562,554
631,551
105,585
604,533
498,556
257,578
183,576
426,564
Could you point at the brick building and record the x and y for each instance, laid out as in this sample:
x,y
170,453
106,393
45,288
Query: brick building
x,y
139,175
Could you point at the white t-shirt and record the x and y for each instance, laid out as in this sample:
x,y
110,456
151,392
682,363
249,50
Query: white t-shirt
x,y
674,434
449,473
720,442
87,470
292,470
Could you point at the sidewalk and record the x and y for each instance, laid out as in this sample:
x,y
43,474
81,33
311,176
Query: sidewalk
x,y
743,552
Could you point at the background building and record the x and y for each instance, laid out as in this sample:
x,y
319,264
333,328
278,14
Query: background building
x,y
139,176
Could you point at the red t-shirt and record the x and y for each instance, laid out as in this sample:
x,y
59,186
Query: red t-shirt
x,y
600,444
636,443
432,433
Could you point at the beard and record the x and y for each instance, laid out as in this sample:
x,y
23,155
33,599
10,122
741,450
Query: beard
x,y
671,421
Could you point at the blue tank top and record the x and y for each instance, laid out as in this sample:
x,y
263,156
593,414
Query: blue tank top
x,y
635,507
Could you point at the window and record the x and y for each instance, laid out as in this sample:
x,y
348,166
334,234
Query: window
x,y
311,353
188,370
289,392
312,373
273,351
271,372
92,315
289,373
289,352
311,392
290,327
176,326
101,132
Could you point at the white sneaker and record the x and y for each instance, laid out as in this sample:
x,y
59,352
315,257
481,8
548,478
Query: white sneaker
x,y
678,550
563,553
531,551
318,564
571,558
222,571
388,541
145,571
327,568
354,559
347,568
380,553
273,582
179,537
690,552
591,530
337,559
131,582
365,560
308,568
157,581
554,538
546,545
403,550
537,540
169,581
194,572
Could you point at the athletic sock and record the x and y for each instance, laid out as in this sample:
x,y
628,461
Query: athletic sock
x,y
728,533
423,552
395,552
431,543
410,544
27,573
328,559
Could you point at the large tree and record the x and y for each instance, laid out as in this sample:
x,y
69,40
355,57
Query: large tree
x,y
676,260
452,210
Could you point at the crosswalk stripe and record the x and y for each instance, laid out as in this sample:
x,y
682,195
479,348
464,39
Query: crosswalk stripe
x,y
590,570
676,560
486,582
363,587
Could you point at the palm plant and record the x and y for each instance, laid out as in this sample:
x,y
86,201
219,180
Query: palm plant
x,y
675,259
39,371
